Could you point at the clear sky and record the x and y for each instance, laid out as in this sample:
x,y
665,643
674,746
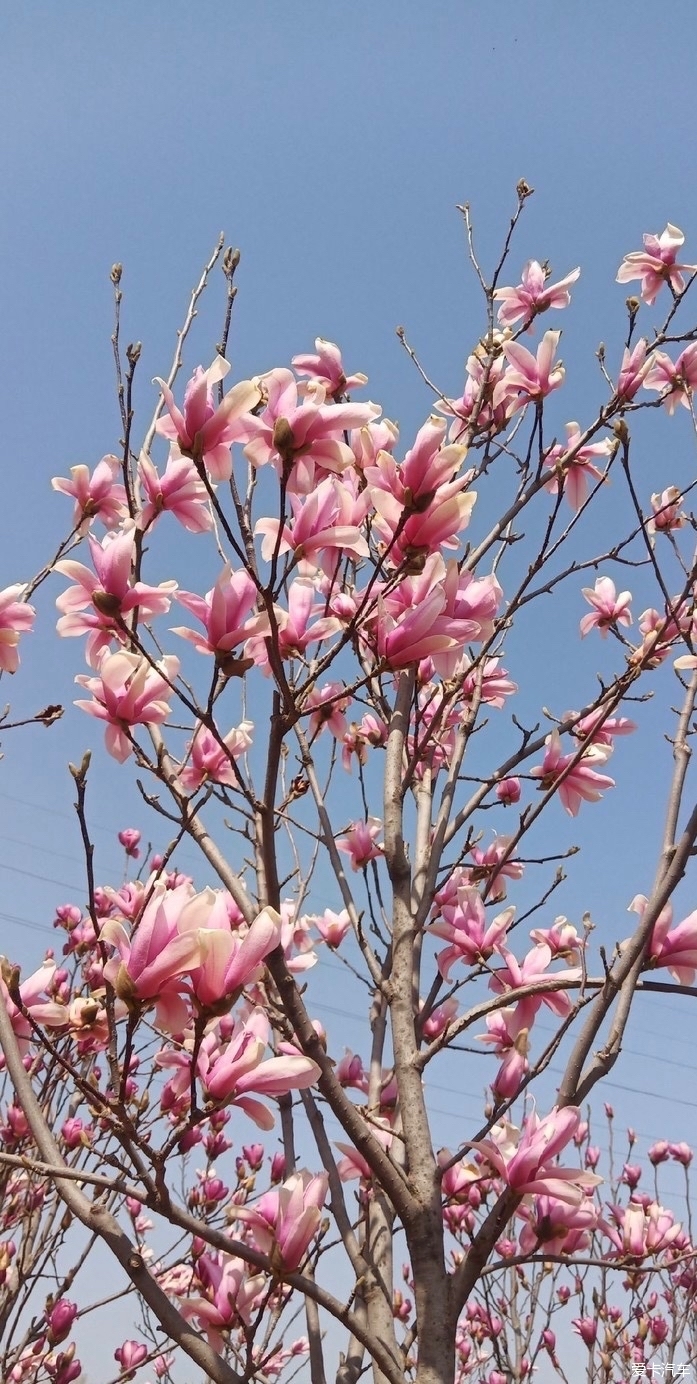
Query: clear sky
x,y
332,143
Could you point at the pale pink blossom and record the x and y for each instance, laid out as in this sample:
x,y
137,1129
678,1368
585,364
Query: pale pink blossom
x,y
574,465
154,957
533,295
229,960
328,705
635,364
530,377
201,430
35,994
667,515
675,381
672,947
528,1165
438,1018
96,496
608,608
656,264
303,623
515,974
562,939
329,518
575,783
557,1226
371,731
210,759
682,1153
100,600
332,927
301,436
360,842
464,924
179,490
639,1231
421,505
237,1073
327,369
597,728
284,1222
507,1034
128,692
232,1295
16,617
224,613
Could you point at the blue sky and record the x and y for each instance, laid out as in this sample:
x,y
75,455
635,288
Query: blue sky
x,y
332,144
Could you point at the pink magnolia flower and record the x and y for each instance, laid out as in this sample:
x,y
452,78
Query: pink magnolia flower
x,y
508,791
285,1221
232,1295
209,761
327,369
438,1019
507,1033
303,623
562,939
682,1153
533,295
574,466
60,1320
599,729
224,613
557,1226
129,838
332,927
674,380
659,1152
153,959
608,608
328,518
577,784
328,705
530,377
422,505
464,924
535,966
180,491
360,842
100,601
34,993
96,496
301,435
201,430
641,1231
528,1166
237,1073
129,1356
228,960
587,1328
666,513
128,693
656,264
15,618
675,948
371,731
635,364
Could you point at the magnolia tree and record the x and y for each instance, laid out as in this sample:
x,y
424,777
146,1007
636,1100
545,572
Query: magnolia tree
x,y
333,726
